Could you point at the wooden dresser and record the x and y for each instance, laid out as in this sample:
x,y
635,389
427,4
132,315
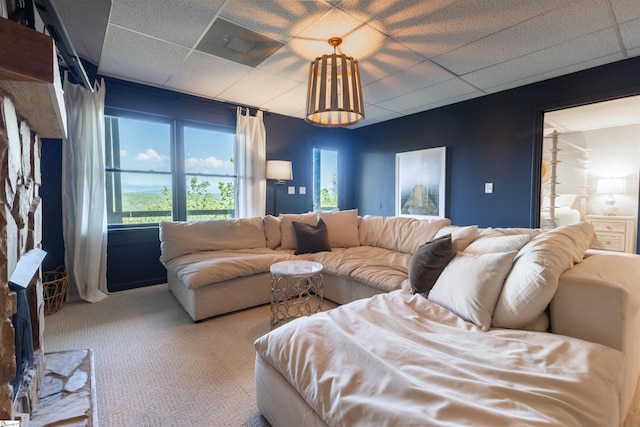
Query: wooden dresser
x,y
614,233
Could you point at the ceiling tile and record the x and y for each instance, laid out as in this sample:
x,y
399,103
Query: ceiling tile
x,y
391,16
180,22
93,16
390,58
133,56
556,72
442,91
578,18
466,21
630,33
256,88
287,63
625,10
290,102
280,20
206,75
416,77
576,51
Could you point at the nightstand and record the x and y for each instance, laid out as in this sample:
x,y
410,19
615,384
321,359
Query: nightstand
x,y
614,233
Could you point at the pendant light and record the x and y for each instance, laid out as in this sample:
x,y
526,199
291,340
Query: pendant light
x,y
334,96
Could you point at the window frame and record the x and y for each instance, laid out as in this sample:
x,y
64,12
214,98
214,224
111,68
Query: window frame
x,y
177,162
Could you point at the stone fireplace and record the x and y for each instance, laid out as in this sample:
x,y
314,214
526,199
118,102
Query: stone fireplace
x,y
30,106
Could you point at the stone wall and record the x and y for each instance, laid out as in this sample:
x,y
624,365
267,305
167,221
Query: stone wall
x,y
20,231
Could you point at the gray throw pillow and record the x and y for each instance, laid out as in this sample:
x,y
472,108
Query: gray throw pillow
x,y
427,263
311,238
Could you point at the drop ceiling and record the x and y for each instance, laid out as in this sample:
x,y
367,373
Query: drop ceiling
x,y
414,55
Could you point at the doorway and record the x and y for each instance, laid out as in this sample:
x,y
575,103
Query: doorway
x,y
591,170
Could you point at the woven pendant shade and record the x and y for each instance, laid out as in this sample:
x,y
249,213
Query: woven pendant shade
x,y
334,96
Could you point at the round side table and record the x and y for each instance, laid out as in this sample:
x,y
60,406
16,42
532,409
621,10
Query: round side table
x,y
296,290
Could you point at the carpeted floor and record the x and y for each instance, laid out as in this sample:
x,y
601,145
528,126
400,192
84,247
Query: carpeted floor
x,y
155,367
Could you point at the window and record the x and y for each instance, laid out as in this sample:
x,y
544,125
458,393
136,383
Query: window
x,y
325,179
210,173
161,169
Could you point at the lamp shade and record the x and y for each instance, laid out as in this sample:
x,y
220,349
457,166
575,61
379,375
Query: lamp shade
x,y
611,185
334,95
280,170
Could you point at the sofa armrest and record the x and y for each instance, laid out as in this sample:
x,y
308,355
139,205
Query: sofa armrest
x,y
598,300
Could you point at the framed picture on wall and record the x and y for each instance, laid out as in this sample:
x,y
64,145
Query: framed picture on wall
x,y
420,183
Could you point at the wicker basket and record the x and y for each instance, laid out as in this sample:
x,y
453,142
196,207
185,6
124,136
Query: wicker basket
x,y
54,285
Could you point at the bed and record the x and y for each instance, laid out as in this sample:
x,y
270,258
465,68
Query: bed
x,y
564,213
438,370
407,358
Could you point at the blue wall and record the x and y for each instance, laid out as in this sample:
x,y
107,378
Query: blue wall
x,y
495,138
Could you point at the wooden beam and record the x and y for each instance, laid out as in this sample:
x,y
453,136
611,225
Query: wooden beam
x,y
26,54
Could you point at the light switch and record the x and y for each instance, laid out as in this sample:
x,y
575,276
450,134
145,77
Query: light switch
x,y
488,187
291,190
302,190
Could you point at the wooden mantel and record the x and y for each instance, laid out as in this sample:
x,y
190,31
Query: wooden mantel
x,y
29,75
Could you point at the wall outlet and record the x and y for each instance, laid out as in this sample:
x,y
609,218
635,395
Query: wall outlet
x,y
291,190
302,190
488,187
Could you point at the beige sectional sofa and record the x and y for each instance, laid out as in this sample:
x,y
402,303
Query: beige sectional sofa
x,y
216,267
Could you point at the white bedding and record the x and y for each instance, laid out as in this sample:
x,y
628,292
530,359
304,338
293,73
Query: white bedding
x,y
398,359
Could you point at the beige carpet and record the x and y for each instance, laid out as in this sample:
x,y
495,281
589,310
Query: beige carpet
x,y
155,367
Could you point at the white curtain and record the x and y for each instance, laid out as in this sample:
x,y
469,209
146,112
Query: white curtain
x,y
251,191
83,191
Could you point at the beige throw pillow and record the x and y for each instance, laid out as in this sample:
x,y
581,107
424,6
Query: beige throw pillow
x,y
533,280
470,285
342,227
272,231
286,228
489,245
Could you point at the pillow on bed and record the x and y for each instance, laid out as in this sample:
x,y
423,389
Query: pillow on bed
x,y
489,245
427,263
470,285
533,280
311,238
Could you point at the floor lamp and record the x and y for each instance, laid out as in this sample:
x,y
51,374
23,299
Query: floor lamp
x,y
279,171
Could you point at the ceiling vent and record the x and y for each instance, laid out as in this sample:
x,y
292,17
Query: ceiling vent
x,y
230,41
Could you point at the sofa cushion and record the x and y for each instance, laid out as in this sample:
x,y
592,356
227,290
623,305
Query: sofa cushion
x,y
379,268
400,234
427,263
286,228
204,268
311,238
342,227
533,279
272,231
470,285
180,238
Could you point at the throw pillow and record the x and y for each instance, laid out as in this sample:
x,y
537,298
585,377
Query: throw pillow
x,y
342,227
287,236
311,238
488,245
427,263
470,285
461,236
533,281
272,231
